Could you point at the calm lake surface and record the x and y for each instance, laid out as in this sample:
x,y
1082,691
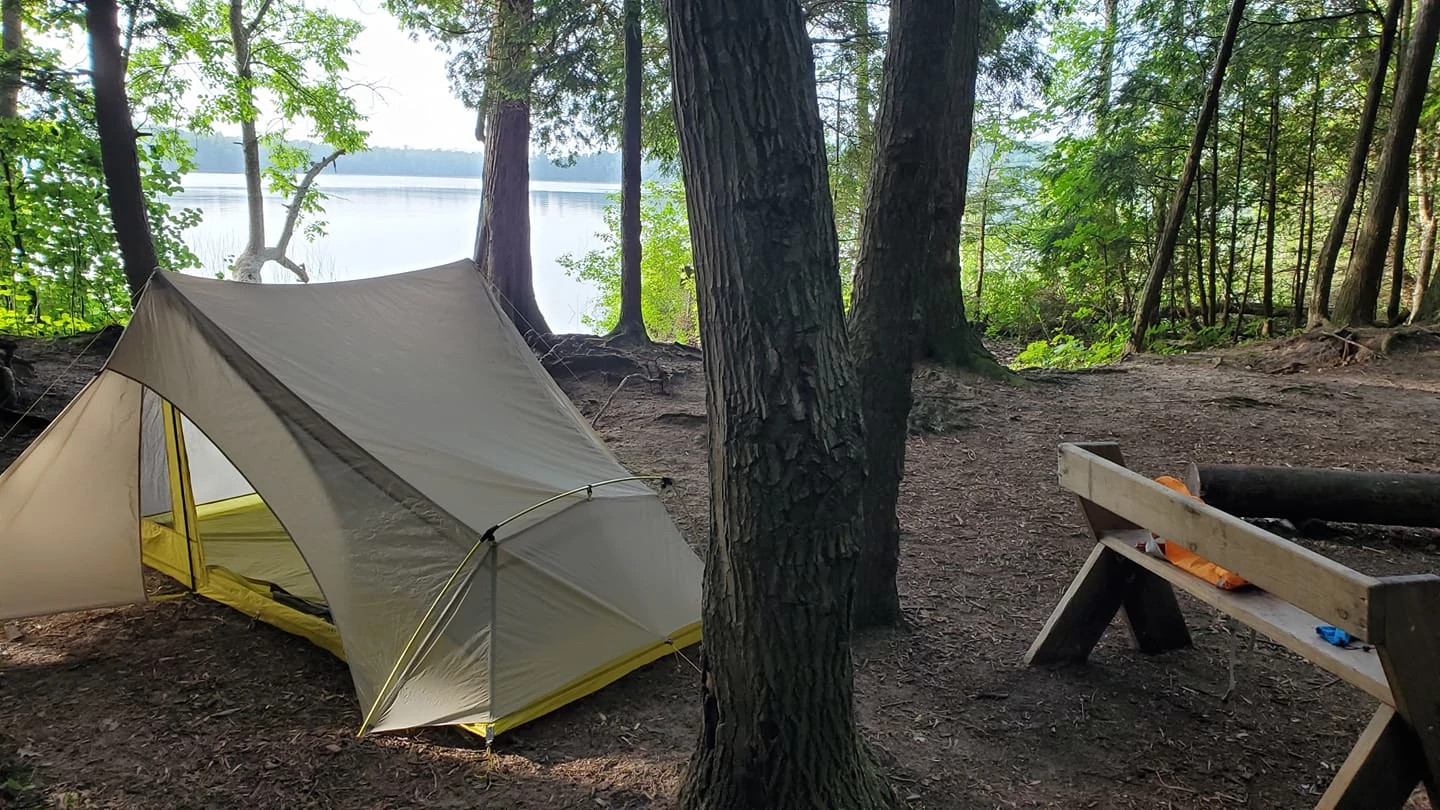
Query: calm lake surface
x,y
377,225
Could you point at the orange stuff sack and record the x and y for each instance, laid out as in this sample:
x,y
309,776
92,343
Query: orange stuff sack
x,y
1191,562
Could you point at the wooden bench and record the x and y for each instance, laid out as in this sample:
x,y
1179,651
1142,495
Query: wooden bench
x,y
1295,590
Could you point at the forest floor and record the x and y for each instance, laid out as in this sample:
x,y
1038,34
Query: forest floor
x,y
186,703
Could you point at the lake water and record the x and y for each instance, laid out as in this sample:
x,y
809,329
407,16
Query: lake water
x,y
380,225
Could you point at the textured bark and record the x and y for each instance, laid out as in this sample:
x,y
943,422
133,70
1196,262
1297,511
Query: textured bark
x,y
1165,251
1360,292
1324,275
1397,257
502,242
778,726
947,335
631,325
1426,300
905,172
119,159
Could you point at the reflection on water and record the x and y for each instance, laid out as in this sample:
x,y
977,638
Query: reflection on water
x,y
379,225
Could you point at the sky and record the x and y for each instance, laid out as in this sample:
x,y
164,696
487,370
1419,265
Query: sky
x,y
413,106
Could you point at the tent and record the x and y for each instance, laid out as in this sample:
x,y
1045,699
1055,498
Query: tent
x,y
381,466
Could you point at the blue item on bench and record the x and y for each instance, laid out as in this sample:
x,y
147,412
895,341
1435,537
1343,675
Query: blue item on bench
x,y
1334,635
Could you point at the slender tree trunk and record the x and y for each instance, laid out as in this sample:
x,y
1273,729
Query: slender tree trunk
x,y
1360,292
1235,212
632,317
12,43
1107,66
1307,214
1214,253
980,248
502,243
778,726
1397,258
1324,274
1249,274
1149,309
1272,177
1425,302
905,173
119,158
247,264
948,337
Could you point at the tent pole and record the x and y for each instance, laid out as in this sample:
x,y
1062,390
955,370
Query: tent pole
x,y
182,500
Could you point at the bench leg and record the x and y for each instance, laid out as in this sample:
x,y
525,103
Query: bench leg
x,y
1107,584
1382,770
1404,608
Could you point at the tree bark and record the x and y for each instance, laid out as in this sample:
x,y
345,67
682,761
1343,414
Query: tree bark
x,y
1311,493
1324,273
1426,301
119,159
947,335
786,443
1272,181
502,243
1360,292
1306,243
12,43
631,326
1235,212
1165,250
895,236
246,268
1397,257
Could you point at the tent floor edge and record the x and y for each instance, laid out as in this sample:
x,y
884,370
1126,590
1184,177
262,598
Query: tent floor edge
x,y
589,683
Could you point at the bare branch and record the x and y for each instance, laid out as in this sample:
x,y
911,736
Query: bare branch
x,y
293,214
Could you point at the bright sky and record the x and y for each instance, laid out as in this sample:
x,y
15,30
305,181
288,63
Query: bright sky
x,y
414,106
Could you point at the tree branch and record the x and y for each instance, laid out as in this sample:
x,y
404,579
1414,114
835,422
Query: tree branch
x,y
293,214
259,15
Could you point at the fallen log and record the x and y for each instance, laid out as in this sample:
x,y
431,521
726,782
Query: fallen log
x,y
1310,493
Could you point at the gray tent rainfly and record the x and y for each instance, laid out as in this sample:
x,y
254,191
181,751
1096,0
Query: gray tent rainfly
x,y
381,466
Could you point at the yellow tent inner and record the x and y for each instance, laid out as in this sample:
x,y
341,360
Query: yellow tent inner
x,y
235,551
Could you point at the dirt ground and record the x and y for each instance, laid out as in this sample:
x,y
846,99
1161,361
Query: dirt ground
x,y
186,704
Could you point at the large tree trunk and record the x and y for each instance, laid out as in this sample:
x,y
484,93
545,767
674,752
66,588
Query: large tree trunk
x,y
1361,291
1324,274
786,444
1165,250
1426,300
119,158
947,336
502,243
631,325
905,172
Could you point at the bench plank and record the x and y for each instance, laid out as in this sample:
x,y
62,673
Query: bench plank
x,y
1286,624
1312,582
